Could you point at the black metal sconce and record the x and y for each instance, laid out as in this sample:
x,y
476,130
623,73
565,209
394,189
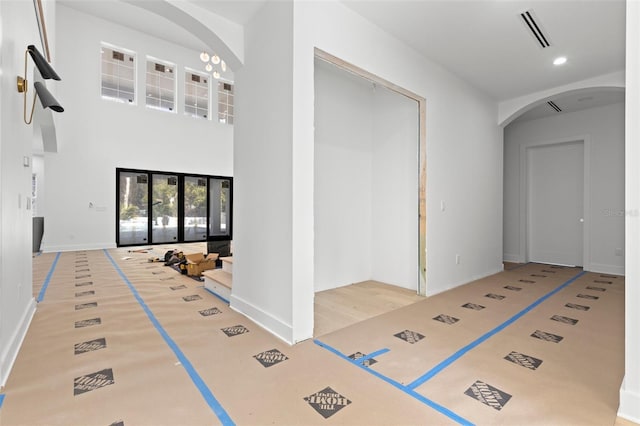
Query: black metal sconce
x,y
46,70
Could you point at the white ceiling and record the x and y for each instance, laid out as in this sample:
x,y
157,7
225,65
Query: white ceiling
x,y
482,41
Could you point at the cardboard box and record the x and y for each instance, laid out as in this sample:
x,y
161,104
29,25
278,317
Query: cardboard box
x,y
197,263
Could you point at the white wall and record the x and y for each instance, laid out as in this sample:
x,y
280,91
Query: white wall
x,y
343,186
630,390
262,271
95,136
18,29
604,129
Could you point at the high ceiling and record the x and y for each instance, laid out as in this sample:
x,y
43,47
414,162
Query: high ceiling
x,y
485,42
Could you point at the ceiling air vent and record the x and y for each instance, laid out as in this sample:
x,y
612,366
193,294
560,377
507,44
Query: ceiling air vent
x,y
554,106
535,28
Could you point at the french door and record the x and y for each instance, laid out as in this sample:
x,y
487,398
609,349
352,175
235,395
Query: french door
x,y
163,207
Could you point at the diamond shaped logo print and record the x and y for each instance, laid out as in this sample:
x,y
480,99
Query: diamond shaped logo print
x,y
90,346
473,306
548,271
84,283
327,402
488,395
446,319
512,288
178,287
539,275
93,381
589,287
365,362
603,282
83,276
564,320
547,337
588,296
88,322
523,360
269,358
235,330
527,281
210,311
494,296
409,336
191,298
85,293
578,307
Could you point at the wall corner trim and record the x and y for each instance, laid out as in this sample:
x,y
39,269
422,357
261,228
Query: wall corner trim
x,y
10,352
264,319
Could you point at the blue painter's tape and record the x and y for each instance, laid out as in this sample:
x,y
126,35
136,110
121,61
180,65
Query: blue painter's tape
x,y
217,295
447,362
453,416
43,290
372,355
1,399
193,374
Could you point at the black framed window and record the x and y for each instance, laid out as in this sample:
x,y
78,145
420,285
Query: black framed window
x,y
159,207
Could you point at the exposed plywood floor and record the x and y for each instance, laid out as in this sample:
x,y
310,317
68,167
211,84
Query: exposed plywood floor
x,y
340,307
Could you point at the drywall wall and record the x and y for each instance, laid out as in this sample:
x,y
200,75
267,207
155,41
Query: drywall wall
x,y
630,390
95,135
343,181
262,266
18,29
603,128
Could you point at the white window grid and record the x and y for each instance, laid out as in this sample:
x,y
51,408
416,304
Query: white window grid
x,y
161,85
118,74
196,94
225,102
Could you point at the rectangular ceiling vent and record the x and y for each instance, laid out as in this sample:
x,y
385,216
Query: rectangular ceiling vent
x,y
554,106
535,28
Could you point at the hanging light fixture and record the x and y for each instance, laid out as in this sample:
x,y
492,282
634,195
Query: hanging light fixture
x,y
215,59
216,74
204,57
208,67
223,66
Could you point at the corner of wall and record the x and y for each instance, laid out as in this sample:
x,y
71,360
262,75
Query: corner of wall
x,y
274,325
629,405
10,352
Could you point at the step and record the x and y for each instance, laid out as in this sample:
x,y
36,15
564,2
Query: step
x,y
218,282
227,264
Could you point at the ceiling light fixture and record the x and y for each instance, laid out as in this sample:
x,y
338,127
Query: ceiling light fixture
x,y
216,75
560,60
47,72
204,57
223,66
208,67
215,59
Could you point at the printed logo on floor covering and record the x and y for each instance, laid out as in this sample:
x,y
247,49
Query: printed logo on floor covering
x,y
589,287
210,311
166,279
565,320
117,423
88,322
527,281
409,336
487,394
473,306
608,276
235,330
178,287
548,337
512,288
367,362
556,267
82,270
523,360
157,272
85,293
93,381
588,296
603,282
446,319
91,345
86,305
494,296
578,307
539,275
84,283
83,276
269,358
191,298
327,402
548,272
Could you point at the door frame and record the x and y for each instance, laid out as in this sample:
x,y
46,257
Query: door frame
x,y
422,154
524,195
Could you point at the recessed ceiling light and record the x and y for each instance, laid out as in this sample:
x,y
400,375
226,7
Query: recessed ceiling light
x,y
560,60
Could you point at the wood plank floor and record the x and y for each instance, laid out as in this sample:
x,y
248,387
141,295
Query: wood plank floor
x,y
340,307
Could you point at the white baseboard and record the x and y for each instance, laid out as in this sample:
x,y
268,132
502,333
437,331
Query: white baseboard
x,y
10,352
76,247
606,269
629,408
267,321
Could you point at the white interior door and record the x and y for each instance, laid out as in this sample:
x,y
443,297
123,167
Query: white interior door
x,y
555,202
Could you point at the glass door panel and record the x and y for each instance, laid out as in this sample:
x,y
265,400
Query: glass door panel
x,y
164,208
195,208
133,192
220,208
